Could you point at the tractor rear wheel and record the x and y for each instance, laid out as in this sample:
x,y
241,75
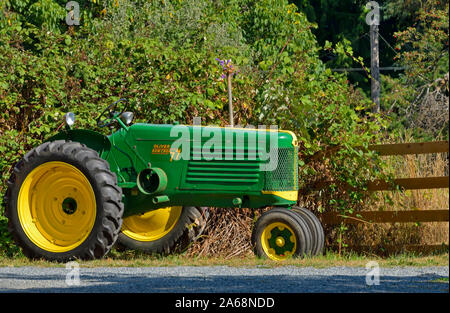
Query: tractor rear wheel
x,y
63,203
163,231
280,234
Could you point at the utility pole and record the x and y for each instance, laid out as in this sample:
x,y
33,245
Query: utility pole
x,y
375,67
375,64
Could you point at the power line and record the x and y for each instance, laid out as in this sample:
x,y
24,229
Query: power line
x,y
387,43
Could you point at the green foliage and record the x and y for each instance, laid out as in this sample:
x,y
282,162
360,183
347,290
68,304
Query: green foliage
x,y
343,23
7,245
162,56
418,99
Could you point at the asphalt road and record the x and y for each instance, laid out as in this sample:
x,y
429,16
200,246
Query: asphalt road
x,y
223,279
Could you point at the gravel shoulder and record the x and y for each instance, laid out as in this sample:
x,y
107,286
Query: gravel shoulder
x,y
223,279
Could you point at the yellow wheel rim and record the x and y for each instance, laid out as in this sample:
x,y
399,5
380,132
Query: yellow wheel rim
x,y
278,241
56,206
152,225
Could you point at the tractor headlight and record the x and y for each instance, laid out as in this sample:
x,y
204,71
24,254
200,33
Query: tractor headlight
x,y
69,118
127,117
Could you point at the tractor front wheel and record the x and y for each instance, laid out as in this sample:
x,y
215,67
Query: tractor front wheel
x,y
280,234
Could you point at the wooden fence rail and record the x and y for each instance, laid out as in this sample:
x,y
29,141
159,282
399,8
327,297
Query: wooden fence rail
x,y
332,218
441,215
411,148
404,183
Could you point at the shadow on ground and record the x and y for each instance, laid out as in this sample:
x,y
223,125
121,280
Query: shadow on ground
x,y
112,283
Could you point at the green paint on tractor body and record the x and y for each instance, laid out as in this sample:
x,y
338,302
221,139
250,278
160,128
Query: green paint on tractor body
x,y
213,167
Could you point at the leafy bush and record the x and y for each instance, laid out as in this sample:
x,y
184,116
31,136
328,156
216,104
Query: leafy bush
x,y
162,56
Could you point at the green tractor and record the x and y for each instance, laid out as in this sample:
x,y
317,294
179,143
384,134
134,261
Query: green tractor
x,y
149,187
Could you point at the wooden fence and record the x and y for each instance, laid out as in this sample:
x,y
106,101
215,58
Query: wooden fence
x,y
438,215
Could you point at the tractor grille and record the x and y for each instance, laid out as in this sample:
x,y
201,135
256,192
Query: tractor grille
x,y
285,176
223,172
246,172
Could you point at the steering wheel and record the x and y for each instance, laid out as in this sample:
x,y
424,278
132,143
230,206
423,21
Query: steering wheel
x,y
112,112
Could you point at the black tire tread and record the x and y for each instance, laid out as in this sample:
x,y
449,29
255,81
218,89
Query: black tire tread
x,y
315,226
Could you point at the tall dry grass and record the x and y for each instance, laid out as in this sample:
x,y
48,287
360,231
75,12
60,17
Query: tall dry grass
x,y
430,233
